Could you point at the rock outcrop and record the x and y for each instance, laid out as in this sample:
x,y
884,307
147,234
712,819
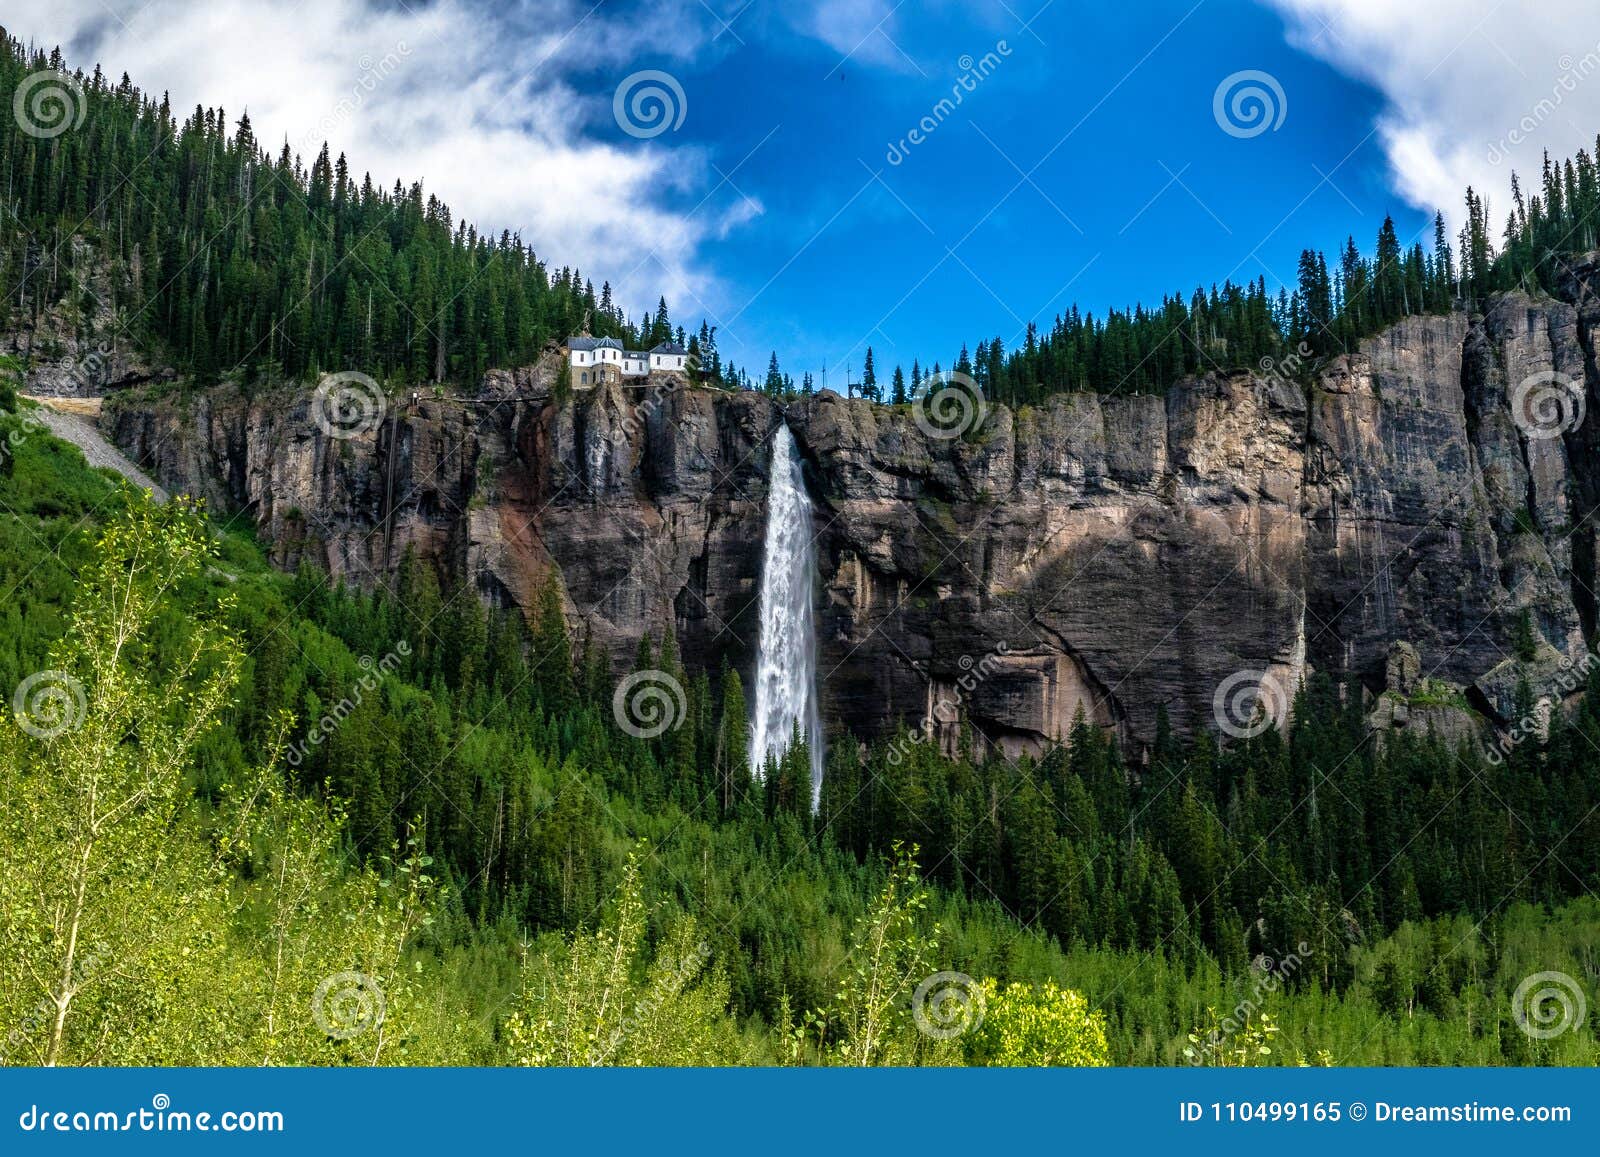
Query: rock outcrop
x,y
1109,554
77,345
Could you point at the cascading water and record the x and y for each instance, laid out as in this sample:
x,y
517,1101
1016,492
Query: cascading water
x,y
786,668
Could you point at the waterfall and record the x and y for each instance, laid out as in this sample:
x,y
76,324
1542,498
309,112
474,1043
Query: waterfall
x,y
786,668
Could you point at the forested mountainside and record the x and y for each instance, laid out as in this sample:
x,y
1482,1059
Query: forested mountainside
x,y
370,729
220,254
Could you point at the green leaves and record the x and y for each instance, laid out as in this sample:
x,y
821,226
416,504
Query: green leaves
x,y
600,1000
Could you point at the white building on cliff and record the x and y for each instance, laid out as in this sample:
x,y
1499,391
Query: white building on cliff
x,y
601,359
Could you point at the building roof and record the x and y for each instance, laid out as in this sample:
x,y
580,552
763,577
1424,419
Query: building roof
x,y
593,343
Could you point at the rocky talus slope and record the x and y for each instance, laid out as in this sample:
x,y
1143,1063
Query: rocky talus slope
x,y
1391,521
86,436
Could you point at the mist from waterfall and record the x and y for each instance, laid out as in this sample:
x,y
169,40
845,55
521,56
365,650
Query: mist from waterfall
x,y
786,668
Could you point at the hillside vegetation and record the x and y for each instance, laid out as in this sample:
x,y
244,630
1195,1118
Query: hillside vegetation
x,y
475,865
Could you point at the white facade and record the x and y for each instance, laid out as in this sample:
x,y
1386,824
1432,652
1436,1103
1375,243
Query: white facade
x,y
593,360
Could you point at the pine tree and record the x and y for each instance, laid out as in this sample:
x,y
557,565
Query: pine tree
x,y
733,743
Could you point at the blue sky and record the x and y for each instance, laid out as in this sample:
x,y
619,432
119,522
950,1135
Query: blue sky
x,y
1087,164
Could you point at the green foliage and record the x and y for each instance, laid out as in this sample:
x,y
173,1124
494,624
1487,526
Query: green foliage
x,y
228,258
596,1000
141,932
1524,639
1221,1043
87,806
867,1022
1037,1025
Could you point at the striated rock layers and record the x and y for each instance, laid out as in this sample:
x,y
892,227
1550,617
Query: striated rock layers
x,y
1391,521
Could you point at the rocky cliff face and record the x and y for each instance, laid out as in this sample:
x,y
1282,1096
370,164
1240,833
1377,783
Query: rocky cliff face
x,y
75,344
1397,521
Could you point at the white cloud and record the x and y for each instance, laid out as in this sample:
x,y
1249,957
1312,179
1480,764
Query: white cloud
x,y
864,31
1474,88
479,104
